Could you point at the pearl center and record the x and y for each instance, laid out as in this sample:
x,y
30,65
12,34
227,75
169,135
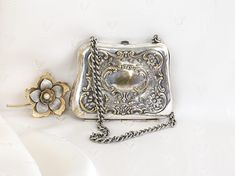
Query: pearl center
x,y
46,96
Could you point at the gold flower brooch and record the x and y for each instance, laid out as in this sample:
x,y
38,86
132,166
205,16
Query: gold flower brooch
x,y
46,97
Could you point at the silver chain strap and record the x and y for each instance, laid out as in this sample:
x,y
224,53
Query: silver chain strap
x,y
103,135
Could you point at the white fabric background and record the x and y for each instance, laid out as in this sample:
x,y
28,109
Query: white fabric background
x,y
43,35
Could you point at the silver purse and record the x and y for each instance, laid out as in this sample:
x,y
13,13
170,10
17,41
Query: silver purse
x,y
123,82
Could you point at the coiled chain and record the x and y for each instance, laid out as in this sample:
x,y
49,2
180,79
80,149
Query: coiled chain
x,y
103,135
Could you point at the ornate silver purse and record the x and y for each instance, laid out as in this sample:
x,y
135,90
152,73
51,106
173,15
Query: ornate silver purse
x,y
123,81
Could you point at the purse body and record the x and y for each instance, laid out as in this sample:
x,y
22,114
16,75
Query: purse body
x,y
135,82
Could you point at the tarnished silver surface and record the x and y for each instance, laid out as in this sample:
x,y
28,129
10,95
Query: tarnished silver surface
x,y
134,80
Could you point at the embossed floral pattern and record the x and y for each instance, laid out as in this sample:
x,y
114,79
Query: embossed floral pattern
x,y
152,60
151,97
156,102
47,97
88,101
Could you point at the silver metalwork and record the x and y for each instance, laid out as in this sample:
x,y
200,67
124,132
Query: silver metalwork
x,y
124,82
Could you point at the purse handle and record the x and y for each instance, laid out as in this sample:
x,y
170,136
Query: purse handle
x,y
103,135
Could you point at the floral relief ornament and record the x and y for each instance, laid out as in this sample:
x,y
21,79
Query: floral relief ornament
x,y
47,97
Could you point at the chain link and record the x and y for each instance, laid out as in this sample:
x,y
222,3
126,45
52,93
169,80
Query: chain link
x,y
156,39
103,135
